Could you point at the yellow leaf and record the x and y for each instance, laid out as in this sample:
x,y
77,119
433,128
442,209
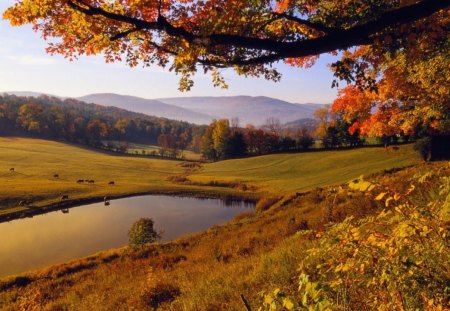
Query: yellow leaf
x,y
380,196
388,201
288,304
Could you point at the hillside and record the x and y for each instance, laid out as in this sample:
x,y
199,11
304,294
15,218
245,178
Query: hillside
x,y
255,253
288,173
248,109
147,106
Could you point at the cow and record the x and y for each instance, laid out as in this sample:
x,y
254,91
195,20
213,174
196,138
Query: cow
x,y
11,169
64,197
91,181
107,203
80,181
56,176
111,183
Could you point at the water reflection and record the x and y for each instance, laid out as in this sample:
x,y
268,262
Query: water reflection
x,y
66,234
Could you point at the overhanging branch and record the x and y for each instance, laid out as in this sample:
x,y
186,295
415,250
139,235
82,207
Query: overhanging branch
x,y
333,39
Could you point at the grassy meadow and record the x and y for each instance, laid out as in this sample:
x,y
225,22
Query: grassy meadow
x,y
36,161
254,253
292,172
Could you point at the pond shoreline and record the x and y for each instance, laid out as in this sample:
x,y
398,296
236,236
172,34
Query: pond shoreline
x,y
200,194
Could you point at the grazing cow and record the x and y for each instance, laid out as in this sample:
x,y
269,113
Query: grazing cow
x,y
64,197
11,169
65,211
111,183
56,176
107,203
80,181
91,181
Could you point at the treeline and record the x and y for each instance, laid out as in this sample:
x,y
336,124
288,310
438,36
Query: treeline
x,y
223,139
95,125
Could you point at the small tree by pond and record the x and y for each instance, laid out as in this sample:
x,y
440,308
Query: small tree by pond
x,y
142,233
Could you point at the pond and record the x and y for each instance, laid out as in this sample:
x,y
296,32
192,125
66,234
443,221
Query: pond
x,y
55,237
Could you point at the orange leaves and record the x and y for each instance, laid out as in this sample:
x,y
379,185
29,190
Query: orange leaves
x,y
302,62
282,5
352,103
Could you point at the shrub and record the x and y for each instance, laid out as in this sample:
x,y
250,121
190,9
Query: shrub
x,y
396,260
142,232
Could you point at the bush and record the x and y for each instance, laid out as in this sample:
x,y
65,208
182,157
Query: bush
x,y
423,147
142,232
396,260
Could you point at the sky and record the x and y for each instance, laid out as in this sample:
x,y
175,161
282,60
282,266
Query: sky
x,y
25,66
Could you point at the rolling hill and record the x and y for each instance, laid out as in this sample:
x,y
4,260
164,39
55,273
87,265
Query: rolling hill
x,y
202,110
147,106
248,109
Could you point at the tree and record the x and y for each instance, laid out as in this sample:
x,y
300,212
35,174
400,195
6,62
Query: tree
x,y
325,118
304,139
97,129
142,233
220,136
32,118
236,146
247,35
397,48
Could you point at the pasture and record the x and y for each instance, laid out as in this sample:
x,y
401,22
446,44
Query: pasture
x,y
36,162
286,173
84,173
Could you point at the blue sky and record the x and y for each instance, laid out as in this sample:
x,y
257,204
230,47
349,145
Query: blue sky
x,y
24,66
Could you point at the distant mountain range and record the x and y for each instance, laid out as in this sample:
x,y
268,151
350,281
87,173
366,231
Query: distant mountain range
x,y
202,110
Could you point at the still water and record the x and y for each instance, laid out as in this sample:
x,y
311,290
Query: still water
x,y
30,243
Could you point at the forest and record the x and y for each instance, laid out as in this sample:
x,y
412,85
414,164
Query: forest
x,y
94,125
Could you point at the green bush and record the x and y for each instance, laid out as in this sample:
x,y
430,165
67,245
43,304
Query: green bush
x,y
142,232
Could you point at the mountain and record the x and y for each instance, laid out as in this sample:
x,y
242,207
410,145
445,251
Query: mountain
x,y
201,110
147,106
248,109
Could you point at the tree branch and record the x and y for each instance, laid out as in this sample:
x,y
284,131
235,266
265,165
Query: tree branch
x,y
334,39
121,35
314,26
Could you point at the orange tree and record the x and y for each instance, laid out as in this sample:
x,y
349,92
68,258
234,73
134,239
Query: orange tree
x,y
248,35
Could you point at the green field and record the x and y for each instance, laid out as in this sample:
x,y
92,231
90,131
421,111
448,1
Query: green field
x,y
36,161
284,173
